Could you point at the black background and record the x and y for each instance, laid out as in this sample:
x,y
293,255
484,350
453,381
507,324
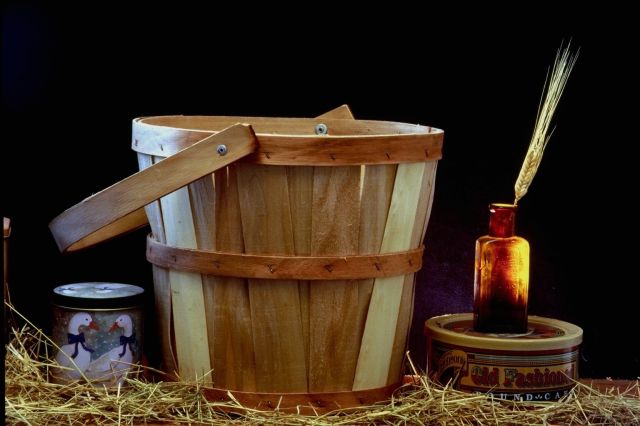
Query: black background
x,y
72,81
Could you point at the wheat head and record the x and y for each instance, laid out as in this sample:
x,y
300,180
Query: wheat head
x,y
562,67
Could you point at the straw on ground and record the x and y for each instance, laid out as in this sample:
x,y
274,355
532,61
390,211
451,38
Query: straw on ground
x,y
30,399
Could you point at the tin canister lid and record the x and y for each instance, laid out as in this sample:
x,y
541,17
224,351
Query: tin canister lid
x,y
98,295
544,334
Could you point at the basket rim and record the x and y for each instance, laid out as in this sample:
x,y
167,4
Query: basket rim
x,y
295,141
299,127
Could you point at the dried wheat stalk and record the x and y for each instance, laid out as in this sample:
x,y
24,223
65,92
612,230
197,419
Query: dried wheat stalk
x,y
560,72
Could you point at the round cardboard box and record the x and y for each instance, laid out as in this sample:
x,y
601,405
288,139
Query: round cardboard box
x,y
540,365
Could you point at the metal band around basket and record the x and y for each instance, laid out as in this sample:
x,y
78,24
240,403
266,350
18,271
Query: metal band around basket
x,y
242,265
296,141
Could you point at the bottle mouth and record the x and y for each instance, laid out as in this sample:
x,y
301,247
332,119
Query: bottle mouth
x,y
497,206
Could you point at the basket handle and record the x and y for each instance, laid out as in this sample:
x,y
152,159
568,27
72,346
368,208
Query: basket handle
x,y
120,207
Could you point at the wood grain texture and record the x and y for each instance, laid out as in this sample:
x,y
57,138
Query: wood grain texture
x,y
333,329
423,213
153,210
275,267
202,200
168,128
379,333
161,285
300,180
164,320
376,198
343,112
301,194
186,291
202,196
309,404
292,141
431,169
346,150
234,358
119,208
340,150
275,305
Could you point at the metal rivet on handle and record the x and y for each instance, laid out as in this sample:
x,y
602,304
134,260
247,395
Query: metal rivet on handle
x,y
321,129
221,150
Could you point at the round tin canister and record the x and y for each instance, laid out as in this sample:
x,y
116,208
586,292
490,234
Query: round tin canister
x,y
98,329
540,365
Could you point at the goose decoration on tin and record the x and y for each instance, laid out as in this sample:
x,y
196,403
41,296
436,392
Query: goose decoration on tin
x,y
112,366
75,356
113,314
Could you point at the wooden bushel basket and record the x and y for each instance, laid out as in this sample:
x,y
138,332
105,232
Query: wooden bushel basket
x,y
284,250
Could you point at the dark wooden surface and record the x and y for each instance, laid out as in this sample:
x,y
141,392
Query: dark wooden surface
x,y
631,387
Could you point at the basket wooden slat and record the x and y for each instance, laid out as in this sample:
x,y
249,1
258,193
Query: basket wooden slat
x,y
202,203
333,317
377,188
187,297
162,286
405,314
380,328
300,181
234,362
275,309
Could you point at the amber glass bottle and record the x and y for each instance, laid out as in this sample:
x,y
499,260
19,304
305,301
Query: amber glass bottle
x,y
501,282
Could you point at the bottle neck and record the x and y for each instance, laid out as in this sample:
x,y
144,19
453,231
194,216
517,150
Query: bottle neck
x,y
502,220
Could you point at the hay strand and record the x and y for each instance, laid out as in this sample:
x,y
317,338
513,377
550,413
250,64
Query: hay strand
x,y
30,399
562,67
